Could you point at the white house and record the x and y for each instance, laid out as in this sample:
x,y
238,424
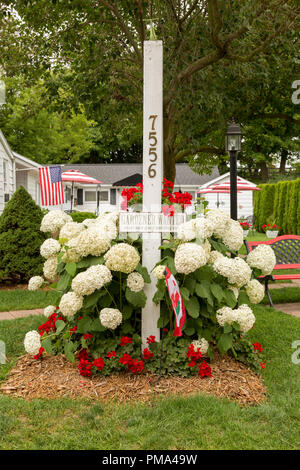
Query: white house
x,y
16,170
244,198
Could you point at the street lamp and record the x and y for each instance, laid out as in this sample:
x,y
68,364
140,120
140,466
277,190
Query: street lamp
x,y
233,145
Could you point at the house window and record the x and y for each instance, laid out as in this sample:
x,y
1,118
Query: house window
x,y
113,197
90,196
103,196
5,175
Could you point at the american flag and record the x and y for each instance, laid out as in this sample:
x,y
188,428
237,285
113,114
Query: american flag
x,y
51,186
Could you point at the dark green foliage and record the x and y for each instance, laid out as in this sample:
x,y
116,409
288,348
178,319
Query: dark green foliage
x,y
281,202
20,238
81,216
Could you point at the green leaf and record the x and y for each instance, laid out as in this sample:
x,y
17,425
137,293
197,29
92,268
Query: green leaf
x,y
47,345
189,331
71,268
230,298
137,299
69,349
64,281
90,261
190,284
227,328
92,300
143,272
217,291
60,324
225,342
193,307
127,311
243,298
185,293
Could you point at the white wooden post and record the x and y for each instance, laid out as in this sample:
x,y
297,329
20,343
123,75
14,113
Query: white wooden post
x,y
152,173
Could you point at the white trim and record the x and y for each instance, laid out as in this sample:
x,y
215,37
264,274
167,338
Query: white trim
x,y
26,160
220,178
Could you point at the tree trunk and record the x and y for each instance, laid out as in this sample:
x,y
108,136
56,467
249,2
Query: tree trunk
x,y
169,165
264,171
283,160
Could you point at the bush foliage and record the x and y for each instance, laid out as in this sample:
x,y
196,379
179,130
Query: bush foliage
x,y
281,203
20,238
81,216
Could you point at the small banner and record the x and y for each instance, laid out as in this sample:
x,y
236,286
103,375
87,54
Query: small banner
x,y
177,302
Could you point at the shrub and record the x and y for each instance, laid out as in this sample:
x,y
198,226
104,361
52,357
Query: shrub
x,y
81,216
20,238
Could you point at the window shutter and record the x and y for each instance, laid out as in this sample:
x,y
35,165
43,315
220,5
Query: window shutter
x,y
79,197
113,197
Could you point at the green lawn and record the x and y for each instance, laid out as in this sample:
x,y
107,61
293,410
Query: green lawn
x,y
26,300
198,422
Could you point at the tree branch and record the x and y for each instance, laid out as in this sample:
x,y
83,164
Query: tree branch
x,y
124,27
204,149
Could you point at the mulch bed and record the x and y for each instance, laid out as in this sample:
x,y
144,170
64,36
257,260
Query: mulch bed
x,y
55,377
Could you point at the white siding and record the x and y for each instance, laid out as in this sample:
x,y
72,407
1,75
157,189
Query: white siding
x,y
7,186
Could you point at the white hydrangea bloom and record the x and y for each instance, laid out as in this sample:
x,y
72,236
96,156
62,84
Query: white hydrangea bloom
x,y
107,228
71,230
245,318
95,277
70,303
158,271
32,342
202,344
122,257
207,248
226,315
35,282
218,219
236,270
110,318
235,290
70,254
90,242
54,221
263,258
50,268
255,291
49,248
135,282
189,257
89,222
49,310
233,236
187,231
208,227
214,255
243,315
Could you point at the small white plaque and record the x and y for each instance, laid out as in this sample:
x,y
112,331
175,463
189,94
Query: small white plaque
x,y
150,222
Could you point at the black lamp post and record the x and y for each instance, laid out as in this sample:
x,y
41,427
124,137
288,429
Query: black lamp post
x,y
233,145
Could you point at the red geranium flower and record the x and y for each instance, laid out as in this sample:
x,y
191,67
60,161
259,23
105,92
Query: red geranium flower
x,y
85,368
136,366
125,340
40,353
87,336
99,363
262,365
126,360
257,347
151,339
204,370
147,354
111,354
72,330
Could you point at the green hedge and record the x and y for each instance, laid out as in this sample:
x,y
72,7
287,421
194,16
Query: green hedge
x,y
81,216
281,202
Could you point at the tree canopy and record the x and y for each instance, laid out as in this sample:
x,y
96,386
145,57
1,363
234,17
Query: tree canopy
x,y
222,59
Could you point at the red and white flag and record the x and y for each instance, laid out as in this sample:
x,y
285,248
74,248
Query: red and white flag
x,y
177,302
51,186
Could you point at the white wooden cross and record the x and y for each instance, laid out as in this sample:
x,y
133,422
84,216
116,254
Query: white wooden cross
x,y
151,222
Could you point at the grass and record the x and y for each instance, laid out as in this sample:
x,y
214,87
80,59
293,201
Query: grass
x,y
284,295
201,422
19,299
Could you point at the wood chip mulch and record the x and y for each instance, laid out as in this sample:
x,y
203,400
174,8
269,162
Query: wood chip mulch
x,y
55,377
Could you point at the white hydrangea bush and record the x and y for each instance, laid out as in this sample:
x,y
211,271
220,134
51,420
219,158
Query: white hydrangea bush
x,y
99,280
218,286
